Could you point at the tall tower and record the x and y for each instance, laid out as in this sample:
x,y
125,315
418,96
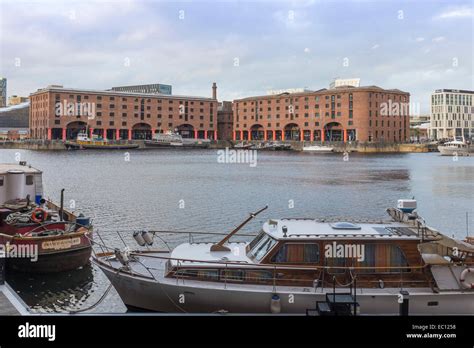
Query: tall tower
x,y
214,90
3,92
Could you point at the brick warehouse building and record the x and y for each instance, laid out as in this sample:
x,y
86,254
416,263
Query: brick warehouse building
x,y
60,113
225,120
337,114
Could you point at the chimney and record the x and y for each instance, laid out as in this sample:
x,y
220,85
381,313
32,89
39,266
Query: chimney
x,y
214,90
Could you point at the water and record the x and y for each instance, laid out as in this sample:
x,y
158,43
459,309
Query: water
x,y
190,190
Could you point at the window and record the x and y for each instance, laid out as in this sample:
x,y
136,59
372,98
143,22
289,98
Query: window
x,y
258,276
297,253
2,179
29,180
375,255
262,247
232,275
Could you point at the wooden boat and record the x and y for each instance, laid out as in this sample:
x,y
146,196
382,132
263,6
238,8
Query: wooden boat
x,y
303,266
83,142
36,235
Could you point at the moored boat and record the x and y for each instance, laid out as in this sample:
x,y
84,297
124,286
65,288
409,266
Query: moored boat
x,y
36,234
318,148
83,142
171,139
455,147
302,266
243,146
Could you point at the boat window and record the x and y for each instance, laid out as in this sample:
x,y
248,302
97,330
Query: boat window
x,y
208,274
335,262
297,253
1,180
383,255
186,273
232,275
29,180
256,240
259,276
264,245
375,257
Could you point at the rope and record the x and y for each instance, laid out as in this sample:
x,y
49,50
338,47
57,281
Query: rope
x,y
98,302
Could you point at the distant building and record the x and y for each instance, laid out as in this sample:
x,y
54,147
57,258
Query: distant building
x,y
288,90
156,88
345,113
452,114
419,119
14,121
224,120
61,113
355,82
3,92
419,127
15,100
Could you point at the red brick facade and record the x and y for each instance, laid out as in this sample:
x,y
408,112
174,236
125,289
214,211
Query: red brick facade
x,y
339,114
119,115
225,120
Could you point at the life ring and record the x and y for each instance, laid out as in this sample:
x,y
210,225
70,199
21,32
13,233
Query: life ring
x,y
462,278
39,215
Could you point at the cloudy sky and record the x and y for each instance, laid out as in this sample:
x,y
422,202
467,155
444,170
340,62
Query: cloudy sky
x,y
247,47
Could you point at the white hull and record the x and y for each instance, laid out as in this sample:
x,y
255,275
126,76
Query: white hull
x,y
452,151
188,296
323,149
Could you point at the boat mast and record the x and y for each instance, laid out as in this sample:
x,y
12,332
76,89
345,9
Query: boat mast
x,y
220,246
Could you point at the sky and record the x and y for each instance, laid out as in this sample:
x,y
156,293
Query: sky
x,y
246,47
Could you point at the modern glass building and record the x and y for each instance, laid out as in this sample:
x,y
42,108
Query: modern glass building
x,y
452,114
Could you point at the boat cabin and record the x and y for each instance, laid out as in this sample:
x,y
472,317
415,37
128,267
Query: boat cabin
x,y
19,181
300,252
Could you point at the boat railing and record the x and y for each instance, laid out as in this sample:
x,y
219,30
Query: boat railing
x,y
184,270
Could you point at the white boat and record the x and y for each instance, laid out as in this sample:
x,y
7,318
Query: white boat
x,y
303,266
242,145
318,148
455,148
166,139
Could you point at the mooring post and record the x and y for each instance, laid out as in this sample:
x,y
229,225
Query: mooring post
x,y
2,268
404,304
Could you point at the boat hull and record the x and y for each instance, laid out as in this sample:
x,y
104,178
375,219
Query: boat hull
x,y
330,150
449,151
47,254
52,262
76,146
156,144
171,295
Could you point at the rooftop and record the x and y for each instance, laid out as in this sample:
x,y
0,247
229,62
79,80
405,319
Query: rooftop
x,y
325,91
6,167
298,229
54,88
15,107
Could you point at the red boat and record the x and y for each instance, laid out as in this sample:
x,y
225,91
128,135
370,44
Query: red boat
x,y
37,235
